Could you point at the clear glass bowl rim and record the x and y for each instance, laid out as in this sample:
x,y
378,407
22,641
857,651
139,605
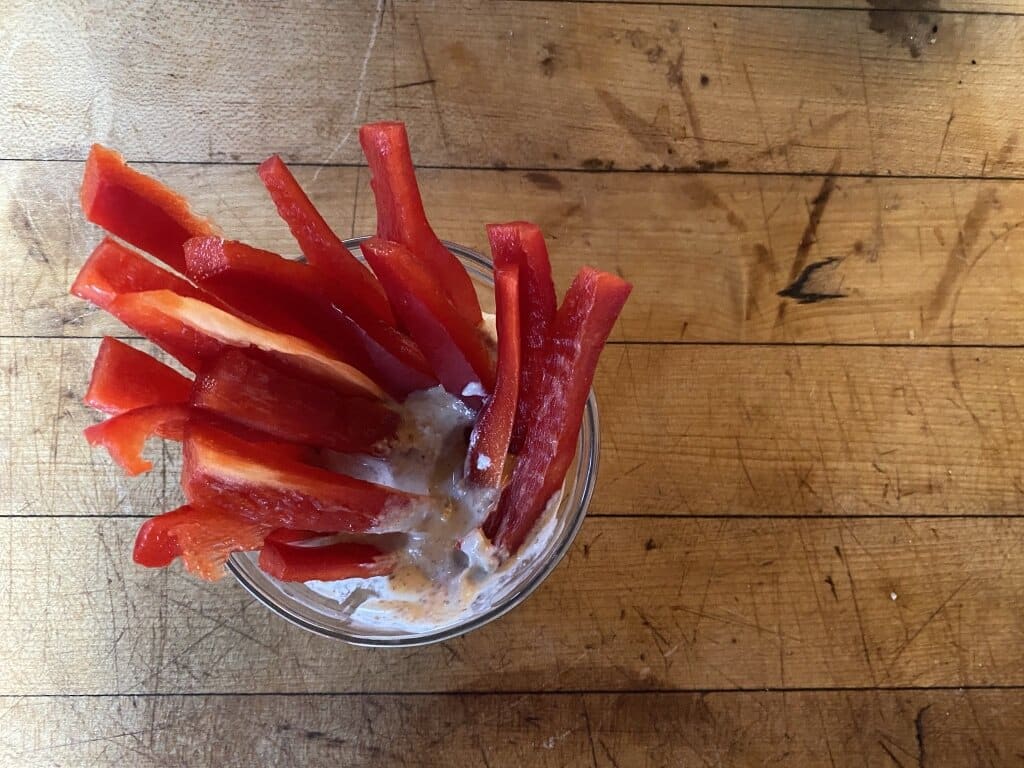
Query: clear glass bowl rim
x,y
579,487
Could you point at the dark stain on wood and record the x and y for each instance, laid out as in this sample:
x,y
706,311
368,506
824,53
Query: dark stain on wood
x,y
650,138
543,180
701,166
905,22
832,586
810,285
702,195
919,734
675,78
960,261
810,233
549,64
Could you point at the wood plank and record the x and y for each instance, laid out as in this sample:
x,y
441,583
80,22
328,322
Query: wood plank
x,y
686,431
640,604
912,261
537,85
881,6
48,467
601,730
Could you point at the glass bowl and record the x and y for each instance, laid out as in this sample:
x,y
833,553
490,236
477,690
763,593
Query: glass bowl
x,y
310,610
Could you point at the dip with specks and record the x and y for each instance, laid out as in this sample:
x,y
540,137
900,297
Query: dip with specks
x,y
447,569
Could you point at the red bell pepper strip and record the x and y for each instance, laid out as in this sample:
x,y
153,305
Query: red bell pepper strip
x,y
124,378
578,333
195,332
124,436
112,269
202,538
488,442
401,218
454,348
224,472
342,560
522,243
291,297
284,295
250,390
138,208
352,286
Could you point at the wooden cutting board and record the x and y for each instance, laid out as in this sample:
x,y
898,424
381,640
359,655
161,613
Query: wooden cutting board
x,y
805,546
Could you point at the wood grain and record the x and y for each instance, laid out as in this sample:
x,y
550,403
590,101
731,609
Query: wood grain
x,y
537,85
931,7
904,261
648,604
804,546
687,430
908,728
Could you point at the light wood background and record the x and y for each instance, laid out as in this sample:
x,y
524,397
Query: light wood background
x,y
806,544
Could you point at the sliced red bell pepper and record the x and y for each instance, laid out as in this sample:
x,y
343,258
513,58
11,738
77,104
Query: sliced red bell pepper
x,y
124,435
352,286
113,269
202,538
282,294
138,208
488,442
195,332
578,333
290,297
247,388
224,472
401,218
522,243
343,560
454,348
124,378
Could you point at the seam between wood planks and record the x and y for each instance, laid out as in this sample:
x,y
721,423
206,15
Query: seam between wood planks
x,y
647,343
685,171
780,7
524,692
629,516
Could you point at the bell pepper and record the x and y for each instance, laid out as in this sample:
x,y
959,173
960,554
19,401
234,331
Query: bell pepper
x,y
454,348
138,208
522,243
202,538
352,286
291,297
112,269
195,332
279,293
124,378
488,442
342,560
579,331
245,387
401,218
124,435
224,472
